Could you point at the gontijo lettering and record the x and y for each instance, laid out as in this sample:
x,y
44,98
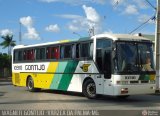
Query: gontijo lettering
x,y
35,67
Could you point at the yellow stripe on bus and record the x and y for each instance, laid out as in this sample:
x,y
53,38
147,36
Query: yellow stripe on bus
x,y
62,41
45,80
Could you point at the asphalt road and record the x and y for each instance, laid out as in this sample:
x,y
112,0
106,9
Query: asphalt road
x,y
12,97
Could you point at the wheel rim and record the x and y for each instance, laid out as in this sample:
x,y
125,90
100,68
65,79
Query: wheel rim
x,y
91,89
30,84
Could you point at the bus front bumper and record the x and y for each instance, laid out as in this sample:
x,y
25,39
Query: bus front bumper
x,y
134,89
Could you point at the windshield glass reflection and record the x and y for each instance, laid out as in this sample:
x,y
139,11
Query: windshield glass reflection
x,y
133,57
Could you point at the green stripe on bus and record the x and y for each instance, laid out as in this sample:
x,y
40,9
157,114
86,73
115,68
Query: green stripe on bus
x,y
66,78
57,77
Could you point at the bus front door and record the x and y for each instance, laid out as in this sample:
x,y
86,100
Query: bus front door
x,y
107,71
103,60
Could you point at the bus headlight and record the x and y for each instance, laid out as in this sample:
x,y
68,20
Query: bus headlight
x,y
122,82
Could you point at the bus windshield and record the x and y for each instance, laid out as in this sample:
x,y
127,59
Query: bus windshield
x,y
134,56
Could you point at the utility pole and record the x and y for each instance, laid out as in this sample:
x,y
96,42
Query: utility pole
x,y
92,31
157,46
20,34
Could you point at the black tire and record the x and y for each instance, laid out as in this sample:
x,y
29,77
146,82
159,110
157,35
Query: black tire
x,y
89,89
30,85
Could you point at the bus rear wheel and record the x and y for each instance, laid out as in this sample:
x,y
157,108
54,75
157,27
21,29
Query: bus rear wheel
x,y
89,89
30,85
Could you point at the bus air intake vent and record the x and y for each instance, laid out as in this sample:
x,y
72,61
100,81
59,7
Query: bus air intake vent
x,y
144,81
134,82
17,78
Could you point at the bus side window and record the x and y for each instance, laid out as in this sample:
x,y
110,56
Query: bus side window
x,y
42,53
91,50
73,51
25,55
28,54
56,52
37,54
66,51
32,54
16,56
62,52
85,50
20,56
48,52
77,50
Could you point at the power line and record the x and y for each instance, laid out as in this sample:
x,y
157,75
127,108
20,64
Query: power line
x,y
77,34
152,18
151,5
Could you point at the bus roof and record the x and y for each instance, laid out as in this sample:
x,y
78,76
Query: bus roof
x,y
125,37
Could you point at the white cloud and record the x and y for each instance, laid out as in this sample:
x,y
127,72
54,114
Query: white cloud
x,y
5,32
91,14
52,28
72,2
131,9
31,31
142,4
99,1
69,16
117,2
91,19
144,18
76,2
108,32
49,1
73,27
26,21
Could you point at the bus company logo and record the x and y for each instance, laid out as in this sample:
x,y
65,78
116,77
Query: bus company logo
x,y
144,113
85,67
35,67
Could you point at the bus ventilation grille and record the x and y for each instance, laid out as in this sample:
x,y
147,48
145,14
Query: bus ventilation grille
x,y
17,78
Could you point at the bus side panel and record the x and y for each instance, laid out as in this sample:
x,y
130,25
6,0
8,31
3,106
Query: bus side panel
x,y
67,76
57,77
44,80
85,69
19,79
41,79
64,75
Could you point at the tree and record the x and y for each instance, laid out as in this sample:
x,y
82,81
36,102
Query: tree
x,y
5,65
8,42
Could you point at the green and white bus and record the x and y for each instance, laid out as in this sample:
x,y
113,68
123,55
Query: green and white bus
x,y
106,64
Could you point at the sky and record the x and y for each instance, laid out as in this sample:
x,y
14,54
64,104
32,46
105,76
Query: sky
x,y
52,20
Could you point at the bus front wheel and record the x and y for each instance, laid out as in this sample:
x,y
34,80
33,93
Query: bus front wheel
x,y
30,85
89,89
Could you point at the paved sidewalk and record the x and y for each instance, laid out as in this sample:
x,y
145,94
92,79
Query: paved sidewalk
x,y
5,79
